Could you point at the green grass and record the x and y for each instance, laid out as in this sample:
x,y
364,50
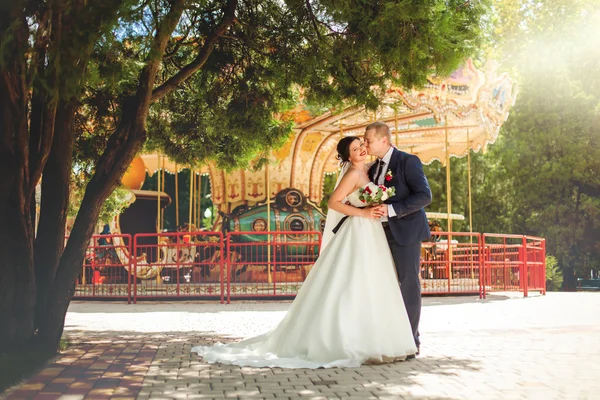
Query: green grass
x,y
17,367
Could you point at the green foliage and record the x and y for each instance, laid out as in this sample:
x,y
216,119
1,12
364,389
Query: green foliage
x,y
328,186
554,276
551,146
489,201
114,205
540,177
337,52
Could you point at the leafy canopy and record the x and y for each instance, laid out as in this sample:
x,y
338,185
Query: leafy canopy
x,y
325,53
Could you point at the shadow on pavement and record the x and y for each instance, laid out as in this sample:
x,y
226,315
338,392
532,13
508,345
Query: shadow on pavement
x,y
131,364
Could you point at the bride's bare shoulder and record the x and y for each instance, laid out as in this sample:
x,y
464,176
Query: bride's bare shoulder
x,y
353,172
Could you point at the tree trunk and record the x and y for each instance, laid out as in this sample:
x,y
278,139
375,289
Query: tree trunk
x,y
49,242
122,146
58,62
50,323
17,281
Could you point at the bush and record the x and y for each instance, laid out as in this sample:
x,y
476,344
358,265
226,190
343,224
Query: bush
x,y
554,275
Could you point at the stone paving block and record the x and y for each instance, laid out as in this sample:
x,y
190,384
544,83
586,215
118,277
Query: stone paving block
x,y
538,349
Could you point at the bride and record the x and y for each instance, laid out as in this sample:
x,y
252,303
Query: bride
x,y
349,311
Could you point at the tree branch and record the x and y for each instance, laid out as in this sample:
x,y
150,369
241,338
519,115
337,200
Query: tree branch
x,y
313,18
202,57
40,45
181,43
123,144
45,98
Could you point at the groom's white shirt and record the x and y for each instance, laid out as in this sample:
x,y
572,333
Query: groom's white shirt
x,y
386,159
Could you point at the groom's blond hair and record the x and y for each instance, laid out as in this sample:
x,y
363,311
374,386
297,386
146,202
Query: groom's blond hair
x,y
381,130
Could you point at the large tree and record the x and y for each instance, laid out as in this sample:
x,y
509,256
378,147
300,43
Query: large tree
x,y
87,75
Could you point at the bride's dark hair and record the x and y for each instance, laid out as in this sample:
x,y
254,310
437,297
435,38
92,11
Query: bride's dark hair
x,y
343,148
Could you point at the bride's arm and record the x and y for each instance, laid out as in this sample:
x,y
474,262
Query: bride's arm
x,y
347,185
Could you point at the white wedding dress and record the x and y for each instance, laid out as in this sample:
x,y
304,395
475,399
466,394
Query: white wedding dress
x,y
348,312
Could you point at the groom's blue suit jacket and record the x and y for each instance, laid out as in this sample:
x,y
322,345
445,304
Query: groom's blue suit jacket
x,y
410,225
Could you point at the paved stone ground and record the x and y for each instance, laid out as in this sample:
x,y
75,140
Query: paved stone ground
x,y
545,347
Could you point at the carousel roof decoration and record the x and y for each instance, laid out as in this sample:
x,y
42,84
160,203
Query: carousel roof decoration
x,y
474,104
469,107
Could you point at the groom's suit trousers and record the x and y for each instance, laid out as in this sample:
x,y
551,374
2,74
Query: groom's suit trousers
x,y
407,260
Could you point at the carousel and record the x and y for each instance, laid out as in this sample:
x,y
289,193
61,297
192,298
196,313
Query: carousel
x,y
447,118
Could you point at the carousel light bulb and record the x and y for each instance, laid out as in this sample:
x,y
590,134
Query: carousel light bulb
x,y
207,213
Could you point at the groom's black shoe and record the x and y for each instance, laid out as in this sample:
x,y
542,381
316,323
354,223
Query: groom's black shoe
x,y
410,357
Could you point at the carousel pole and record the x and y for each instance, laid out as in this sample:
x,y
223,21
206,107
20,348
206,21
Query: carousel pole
x,y
176,196
448,180
200,199
372,157
448,204
191,200
469,185
270,277
158,279
162,210
396,126
158,193
470,196
195,202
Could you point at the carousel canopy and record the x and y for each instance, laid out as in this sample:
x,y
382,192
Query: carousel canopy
x,y
469,106
448,117
154,162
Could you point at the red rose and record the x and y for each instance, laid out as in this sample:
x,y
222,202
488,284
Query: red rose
x,y
368,190
388,178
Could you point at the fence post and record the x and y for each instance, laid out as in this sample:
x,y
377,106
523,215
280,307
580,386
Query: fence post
x,y
226,266
129,247
221,266
94,274
543,274
178,254
525,273
481,269
134,256
486,273
273,237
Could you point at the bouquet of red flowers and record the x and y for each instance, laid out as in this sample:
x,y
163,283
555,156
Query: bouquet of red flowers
x,y
373,195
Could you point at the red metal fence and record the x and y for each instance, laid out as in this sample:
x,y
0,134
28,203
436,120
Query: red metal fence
x,y
267,264
181,264
454,268
513,263
104,272
208,265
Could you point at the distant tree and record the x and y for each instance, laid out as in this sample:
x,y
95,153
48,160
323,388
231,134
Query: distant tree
x,y
554,276
540,177
550,146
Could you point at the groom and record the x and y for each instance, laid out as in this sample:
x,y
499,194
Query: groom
x,y
404,220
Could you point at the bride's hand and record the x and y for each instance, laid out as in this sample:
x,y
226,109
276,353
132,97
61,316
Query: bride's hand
x,y
372,212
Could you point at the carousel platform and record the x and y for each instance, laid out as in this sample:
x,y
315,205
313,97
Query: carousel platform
x,y
153,291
